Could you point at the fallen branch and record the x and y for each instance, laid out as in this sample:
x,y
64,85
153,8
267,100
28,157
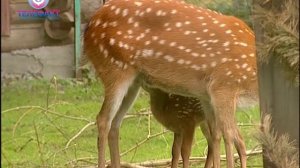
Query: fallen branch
x,y
45,111
142,142
77,135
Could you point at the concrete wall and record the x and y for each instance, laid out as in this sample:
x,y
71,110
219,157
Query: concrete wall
x,y
39,62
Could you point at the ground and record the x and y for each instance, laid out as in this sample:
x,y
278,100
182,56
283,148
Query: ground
x,y
40,119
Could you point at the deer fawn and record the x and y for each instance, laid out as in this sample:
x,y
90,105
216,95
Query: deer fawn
x,y
175,47
181,115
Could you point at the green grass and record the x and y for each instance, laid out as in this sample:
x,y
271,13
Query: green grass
x,y
33,137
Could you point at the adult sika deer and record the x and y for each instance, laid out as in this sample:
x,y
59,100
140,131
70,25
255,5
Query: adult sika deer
x,y
175,47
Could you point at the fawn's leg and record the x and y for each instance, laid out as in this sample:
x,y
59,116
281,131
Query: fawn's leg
x,y
176,149
188,136
116,85
113,136
206,132
224,102
241,148
214,139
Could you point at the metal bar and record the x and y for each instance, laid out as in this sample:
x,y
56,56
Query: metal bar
x,y
77,36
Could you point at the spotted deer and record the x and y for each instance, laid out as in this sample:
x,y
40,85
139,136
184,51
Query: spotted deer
x,y
182,115
178,48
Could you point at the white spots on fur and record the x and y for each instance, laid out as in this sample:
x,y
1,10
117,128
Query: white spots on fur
x,y
180,61
203,55
215,22
169,58
147,53
148,10
101,48
112,7
121,44
228,31
204,24
248,69
195,54
241,44
119,32
200,17
138,3
97,22
187,22
188,62
104,25
252,55
228,73
205,30
222,25
154,38
174,11
223,60
204,45
244,77
211,54
102,35
147,42
213,64
168,29
244,56
159,13
161,42
147,30
129,31
178,24
113,24
181,47
125,12
187,32
158,54
244,65
201,42
142,35
188,50
117,11
212,34
172,44
136,24
130,20
167,24
105,52
213,41
195,67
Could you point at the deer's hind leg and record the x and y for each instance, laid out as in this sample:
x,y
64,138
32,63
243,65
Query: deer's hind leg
x,y
223,100
113,136
116,84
